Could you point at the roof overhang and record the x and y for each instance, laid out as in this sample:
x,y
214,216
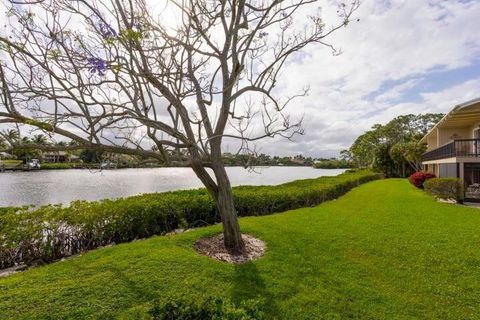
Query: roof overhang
x,y
462,115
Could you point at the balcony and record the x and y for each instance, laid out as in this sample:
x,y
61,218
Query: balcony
x,y
456,148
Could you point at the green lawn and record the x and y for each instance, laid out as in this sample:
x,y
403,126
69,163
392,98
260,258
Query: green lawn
x,y
383,251
11,163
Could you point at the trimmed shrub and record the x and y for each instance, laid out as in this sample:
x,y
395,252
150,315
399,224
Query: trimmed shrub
x,y
61,165
446,188
419,178
5,210
208,309
52,232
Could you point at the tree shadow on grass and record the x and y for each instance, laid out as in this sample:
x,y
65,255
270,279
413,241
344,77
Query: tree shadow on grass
x,y
141,292
249,285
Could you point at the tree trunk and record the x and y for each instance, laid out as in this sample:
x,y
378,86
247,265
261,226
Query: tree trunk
x,y
221,192
226,208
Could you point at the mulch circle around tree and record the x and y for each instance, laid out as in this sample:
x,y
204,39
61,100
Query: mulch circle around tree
x,y
215,248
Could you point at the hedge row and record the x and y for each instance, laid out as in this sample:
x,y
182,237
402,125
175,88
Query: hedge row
x,y
52,232
446,188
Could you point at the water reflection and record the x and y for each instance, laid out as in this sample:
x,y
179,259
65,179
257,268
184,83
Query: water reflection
x,y
64,186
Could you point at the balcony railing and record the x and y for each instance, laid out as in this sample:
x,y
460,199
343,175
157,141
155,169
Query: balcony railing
x,y
456,148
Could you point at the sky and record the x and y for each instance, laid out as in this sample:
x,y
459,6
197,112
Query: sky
x,y
401,57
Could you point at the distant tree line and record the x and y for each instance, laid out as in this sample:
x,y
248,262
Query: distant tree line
x,y
33,147
333,163
25,147
394,148
265,160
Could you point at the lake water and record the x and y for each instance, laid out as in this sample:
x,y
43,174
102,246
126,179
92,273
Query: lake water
x,y
64,186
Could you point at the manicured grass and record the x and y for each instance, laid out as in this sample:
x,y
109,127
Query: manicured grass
x,y
10,163
50,233
383,251
63,165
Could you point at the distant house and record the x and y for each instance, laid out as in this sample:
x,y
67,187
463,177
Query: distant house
x,y
74,158
5,155
453,147
298,159
59,157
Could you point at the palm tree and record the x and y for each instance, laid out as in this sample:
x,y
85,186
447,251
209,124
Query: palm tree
x,y
40,139
61,143
10,136
25,140
3,143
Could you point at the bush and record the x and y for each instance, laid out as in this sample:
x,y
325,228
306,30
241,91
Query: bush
x,y
5,210
446,188
419,178
208,309
333,164
61,165
52,232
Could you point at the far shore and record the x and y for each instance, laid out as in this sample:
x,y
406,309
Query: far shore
x,y
80,166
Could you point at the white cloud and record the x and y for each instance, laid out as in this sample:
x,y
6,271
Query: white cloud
x,y
397,42
395,46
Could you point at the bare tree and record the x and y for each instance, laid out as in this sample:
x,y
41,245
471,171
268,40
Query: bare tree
x,y
122,77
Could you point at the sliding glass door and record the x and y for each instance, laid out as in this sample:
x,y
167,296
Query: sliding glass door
x,y
472,181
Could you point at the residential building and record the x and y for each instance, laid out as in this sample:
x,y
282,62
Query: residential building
x,y
453,147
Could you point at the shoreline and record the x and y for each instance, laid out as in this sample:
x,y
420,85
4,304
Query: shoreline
x,y
97,166
138,217
62,187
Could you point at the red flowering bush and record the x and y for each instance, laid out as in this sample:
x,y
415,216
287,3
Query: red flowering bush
x,y
418,178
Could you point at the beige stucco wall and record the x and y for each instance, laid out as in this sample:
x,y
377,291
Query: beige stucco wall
x,y
446,135
431,143
472,129
446,160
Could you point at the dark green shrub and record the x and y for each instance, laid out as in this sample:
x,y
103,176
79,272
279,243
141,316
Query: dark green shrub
x,y
61,165
333,164
208,309
445,188
5,210
52,232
